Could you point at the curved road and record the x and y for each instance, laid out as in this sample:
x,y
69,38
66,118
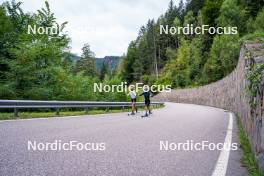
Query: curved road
x,y
132,144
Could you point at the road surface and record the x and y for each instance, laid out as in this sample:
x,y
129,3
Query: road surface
x,y
131,145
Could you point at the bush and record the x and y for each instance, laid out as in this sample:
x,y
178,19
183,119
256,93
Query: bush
x,y
259,22
223,57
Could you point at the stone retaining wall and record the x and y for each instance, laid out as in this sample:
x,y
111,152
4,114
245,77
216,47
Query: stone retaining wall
x,y
229,93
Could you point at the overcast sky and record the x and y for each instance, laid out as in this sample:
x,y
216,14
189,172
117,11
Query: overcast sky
x,y
107,25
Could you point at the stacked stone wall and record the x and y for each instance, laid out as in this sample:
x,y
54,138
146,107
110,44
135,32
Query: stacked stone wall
x,y
230,94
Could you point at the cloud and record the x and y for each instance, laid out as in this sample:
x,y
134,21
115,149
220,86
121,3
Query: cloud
x,y
108,26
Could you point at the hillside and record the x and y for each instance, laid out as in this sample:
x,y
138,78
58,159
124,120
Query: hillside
x,y
191,59
111,61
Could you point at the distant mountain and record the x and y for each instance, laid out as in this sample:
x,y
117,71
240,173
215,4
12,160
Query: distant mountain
x,y
73,57
112,61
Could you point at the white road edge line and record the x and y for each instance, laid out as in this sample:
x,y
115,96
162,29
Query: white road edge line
x,y
222,162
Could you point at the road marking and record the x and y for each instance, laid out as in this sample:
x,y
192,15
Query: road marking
x,y
222,162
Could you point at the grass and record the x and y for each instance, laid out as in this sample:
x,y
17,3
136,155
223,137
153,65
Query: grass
x,y
28,115
248,159
252,37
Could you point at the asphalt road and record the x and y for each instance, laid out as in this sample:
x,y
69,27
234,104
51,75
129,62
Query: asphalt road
x,y
132,144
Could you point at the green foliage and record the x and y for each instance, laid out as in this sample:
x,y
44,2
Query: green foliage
x,y
29,115
86,64
233,15
259,22
248,158
87,53
177,70
252,37
72,87
6,24
113,96
173,12
36,66
185,66
148,79
32,57
254,76
222,58
191,60
127,71
7,91
5,29
252,7
195,6
211,11
147,54
190,19
197,59
104,71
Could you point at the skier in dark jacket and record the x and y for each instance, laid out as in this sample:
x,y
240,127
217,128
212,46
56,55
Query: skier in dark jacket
x,y
146,94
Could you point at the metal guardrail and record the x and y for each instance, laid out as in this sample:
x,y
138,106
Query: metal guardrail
x,y
30,104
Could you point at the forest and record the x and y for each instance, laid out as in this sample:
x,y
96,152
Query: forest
x,y
39,67
192,60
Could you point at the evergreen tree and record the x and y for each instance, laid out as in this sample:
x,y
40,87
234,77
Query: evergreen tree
x,y
231,14
104,71
86,64
223,57
252,7
127,71
5,32
195,6
259,22
211,11
41,53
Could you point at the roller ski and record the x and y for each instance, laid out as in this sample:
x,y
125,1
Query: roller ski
x,y
146,115
131,114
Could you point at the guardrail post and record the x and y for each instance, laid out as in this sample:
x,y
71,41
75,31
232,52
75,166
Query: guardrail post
x,y
107,109
15,112
57,111
123,108
86,110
